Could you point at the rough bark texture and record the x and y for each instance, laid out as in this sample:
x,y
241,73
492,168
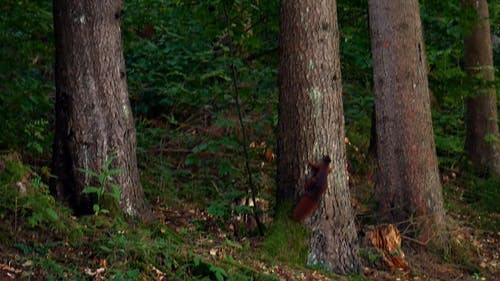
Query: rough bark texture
x,y
311,124
482,116
93,116
408,184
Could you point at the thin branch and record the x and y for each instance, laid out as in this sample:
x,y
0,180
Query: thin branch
x,y
242,124
421,243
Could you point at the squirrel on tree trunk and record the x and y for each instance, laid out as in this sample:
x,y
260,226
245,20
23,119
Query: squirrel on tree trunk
x,y
315,188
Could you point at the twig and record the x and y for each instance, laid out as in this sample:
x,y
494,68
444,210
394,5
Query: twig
x,y
15,221
421,243
242,124
168,150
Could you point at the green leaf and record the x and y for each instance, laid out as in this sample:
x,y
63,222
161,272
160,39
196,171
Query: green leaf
x,y
218,209
91,189
196,261
491,138
89,172
219,272
113,172
106,249
116,192
96,209
52,214
108,162
23,247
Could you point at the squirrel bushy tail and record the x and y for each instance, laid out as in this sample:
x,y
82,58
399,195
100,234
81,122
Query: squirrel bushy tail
x,y
315,188
304,208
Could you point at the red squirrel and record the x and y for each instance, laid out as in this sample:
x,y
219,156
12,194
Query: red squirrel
x,y
314,187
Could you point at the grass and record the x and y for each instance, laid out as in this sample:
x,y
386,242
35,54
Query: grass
x,y
286,240
135,252
190,157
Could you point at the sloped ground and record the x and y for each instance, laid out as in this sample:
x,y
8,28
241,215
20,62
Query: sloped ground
x,y
188,243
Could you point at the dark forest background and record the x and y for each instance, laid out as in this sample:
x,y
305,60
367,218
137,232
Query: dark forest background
x,y
178,56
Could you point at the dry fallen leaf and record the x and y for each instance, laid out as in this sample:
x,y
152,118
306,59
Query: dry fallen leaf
x,y
213,252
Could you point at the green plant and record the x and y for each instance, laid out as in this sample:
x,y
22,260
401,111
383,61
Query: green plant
x,y
41,204
219,210
43,212
485,194
26,80
106,189
206,268
124,275
27,198
12,171
37,132
286,240
119,244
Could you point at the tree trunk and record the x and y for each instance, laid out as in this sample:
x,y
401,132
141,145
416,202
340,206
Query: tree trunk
x,y
372,148
408,184
93,115
482,136
311,124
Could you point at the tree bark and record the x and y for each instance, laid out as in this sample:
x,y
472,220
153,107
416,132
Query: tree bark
x,y
93,115
311,124
408,185
482,137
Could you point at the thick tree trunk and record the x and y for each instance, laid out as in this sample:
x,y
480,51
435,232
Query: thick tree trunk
x,y
311,124
482,135
408,184
93,116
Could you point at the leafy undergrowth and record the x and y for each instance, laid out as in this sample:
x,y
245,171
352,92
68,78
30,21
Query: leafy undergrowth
x,y
42,241
195,239
179,62
473,216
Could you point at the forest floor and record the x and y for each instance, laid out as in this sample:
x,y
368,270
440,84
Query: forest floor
x,y
478,257
42,254
188,242
181,91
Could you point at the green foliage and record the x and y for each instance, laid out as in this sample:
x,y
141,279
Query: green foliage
x,y
356,70
179,56
36,133
218,209
460,254
144,246
446,23
287,240
228,269
449,129
202,268
26,59
444,48
108,192
26,199
125,275
40,206
180,53
485,194
359,277
11,171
